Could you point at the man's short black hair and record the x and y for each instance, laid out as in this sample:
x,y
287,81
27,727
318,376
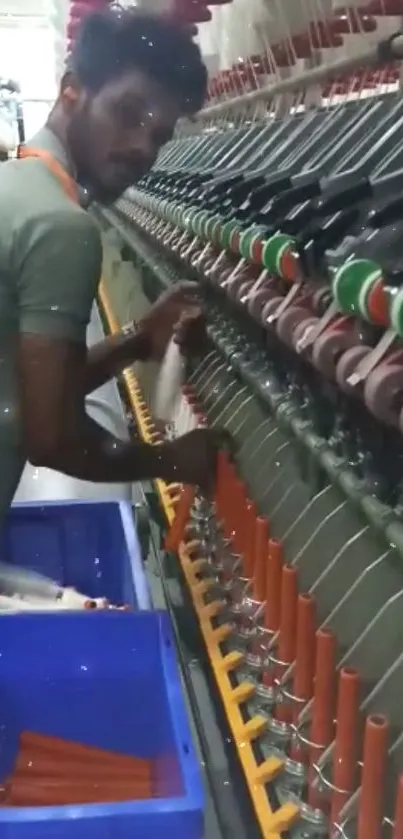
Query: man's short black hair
x,y
111,42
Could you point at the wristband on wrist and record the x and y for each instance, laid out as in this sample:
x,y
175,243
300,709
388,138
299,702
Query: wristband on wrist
x,y
130,328
134,332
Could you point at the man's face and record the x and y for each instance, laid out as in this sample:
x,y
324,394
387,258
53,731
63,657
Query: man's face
x,y
115,135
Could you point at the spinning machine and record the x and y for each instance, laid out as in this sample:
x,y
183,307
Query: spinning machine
x,y
285,203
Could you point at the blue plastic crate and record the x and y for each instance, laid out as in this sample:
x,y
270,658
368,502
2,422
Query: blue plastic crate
x,y
110,680
90,546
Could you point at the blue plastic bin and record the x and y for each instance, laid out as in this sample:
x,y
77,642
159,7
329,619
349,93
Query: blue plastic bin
x,y
90,546
110,680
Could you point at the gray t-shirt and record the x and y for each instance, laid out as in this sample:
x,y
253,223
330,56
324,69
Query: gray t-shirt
x,y
50,265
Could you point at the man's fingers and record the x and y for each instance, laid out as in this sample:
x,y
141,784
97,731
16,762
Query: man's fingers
x,y
187,287
190,305
187,292
179,339
190,315
179,329
182,294
189,318
192,311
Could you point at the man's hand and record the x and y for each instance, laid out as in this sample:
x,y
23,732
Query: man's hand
x,y
190,331
192,459
176,313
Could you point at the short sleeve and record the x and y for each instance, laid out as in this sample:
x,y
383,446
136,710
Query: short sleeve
x,y
57,268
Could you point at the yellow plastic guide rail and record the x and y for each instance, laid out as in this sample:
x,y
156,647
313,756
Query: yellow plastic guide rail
x,y
272,824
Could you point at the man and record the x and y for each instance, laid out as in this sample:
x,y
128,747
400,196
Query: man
x,y
130,78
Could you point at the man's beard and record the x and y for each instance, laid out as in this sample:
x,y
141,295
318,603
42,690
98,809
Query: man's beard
x,y
79,138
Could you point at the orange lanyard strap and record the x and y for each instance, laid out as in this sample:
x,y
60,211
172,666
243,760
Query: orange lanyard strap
x,y
69,185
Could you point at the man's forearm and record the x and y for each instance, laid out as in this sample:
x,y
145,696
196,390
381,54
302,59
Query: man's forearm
x,y
108,358
101,458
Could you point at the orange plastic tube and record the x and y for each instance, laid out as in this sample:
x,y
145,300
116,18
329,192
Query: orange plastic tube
x,y
346,744
304,659
176,533
228,497
26,793
288,620
370,812
33,744
288,631
250,539
274,575
32,764
321,731
222,484
261,559
238,517
305,647
259,587
273,597
232,503
398,826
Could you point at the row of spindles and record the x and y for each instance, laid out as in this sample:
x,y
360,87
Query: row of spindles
x,y
327,33
290,619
